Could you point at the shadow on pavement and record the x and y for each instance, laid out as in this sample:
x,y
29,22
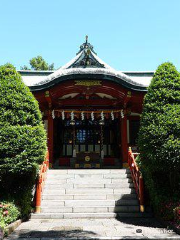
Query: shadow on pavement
x,y
144,222
76,233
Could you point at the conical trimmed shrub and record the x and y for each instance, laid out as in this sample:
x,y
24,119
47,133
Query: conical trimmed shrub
x,y
22,135
159,135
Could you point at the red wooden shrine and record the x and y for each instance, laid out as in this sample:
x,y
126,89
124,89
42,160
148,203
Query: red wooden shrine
x,y
89,107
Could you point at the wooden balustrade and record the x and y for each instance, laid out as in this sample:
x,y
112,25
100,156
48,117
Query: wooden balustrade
x,y
40,182
136,177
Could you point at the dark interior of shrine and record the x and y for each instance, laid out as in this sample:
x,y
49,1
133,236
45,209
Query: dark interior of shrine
x,y
87,136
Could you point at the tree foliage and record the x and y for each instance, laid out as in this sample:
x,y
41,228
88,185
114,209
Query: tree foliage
x,y
22,135
159,135
38,63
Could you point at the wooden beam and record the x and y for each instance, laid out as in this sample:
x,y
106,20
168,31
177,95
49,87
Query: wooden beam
x,y
87,102
127,98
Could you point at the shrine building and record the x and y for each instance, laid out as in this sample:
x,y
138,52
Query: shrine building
x,y
91,111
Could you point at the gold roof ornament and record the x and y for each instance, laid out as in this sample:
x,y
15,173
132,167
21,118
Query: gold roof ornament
x,y
129,94
88,83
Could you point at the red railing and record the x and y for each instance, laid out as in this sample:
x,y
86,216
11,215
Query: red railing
x,y
136,177
40,182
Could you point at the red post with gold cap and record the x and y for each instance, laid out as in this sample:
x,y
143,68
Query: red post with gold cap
x,y
50,138
124,141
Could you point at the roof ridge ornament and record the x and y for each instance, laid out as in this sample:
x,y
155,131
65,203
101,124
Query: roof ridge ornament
x,y
86,39
87,57
86,46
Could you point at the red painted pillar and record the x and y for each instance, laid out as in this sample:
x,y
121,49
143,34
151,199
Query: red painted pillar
x,y
124,141
50,139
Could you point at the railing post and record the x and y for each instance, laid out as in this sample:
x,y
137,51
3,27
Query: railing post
x,y
141,193
38,196
47,159
40,182
137,178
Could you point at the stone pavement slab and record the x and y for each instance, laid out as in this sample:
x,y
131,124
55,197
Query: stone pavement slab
x,y
69,229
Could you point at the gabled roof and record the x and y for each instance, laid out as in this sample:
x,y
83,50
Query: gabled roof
x,y
87,65
86,58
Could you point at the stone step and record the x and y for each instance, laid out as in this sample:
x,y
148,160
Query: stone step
x,y
87,171
60,176
89,215
87,176
89,196
119,185
84,186
89,193
77,203
95,209
88,203
129,180
71,185
56,209
121,196
79,181
57,197
72,215
127,191
76,191
117,176
87,181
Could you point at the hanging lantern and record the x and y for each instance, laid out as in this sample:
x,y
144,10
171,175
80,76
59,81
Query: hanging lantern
x,y
72,123
53,115
101,122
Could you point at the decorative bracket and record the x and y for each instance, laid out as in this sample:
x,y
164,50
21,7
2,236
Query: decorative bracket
x,y
48,99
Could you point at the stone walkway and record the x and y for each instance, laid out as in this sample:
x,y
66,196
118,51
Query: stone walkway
x,y
51,229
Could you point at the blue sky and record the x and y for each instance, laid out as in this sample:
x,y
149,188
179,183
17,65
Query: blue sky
x,y
130,35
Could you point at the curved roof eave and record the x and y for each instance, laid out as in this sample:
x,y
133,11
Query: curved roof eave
x,y
122,80
87,65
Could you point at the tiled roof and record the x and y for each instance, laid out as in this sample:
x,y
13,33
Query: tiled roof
x,y
85,63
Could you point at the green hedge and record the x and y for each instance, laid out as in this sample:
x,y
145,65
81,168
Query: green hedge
x,y
21,148
159,136
22,139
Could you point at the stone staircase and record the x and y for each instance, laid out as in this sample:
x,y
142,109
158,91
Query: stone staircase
x,y
92,193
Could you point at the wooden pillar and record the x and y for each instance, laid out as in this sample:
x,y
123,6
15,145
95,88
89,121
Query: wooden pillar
x,y
50,139
124,141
